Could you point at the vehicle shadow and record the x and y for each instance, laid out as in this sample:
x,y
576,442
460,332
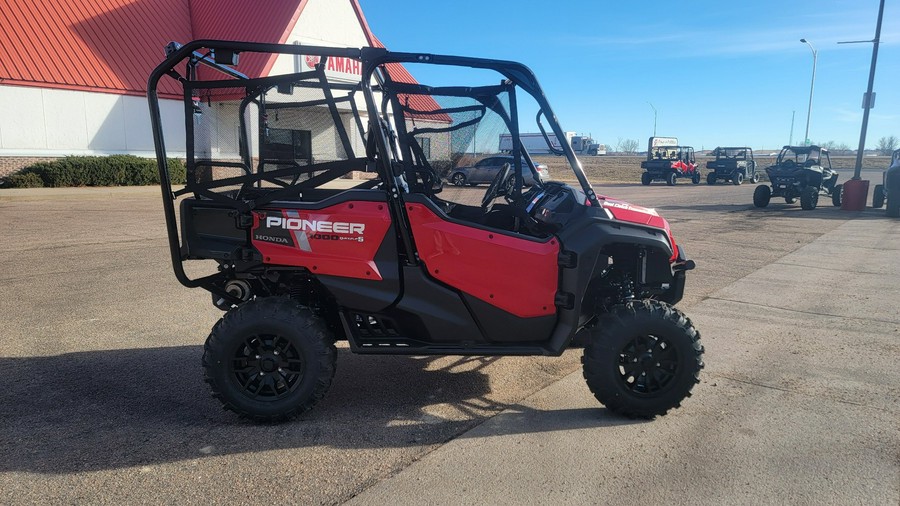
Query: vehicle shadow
x,y
122,408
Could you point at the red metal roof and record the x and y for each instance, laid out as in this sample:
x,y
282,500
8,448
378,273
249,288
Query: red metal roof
x,y
99,45
112,45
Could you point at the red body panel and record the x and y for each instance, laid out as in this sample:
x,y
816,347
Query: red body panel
x,y
516,275
340,240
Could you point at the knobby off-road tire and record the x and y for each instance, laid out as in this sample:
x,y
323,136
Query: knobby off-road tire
x,y
755,178
809,198
269,359
761,196
646,179
836,195
695,179
737,179
671,179
878,196
711,178
893,205
643,359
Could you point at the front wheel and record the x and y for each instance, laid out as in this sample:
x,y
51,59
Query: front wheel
x,y
643,359
737,178
458,179
696,178
755,178
836,195
671,178
269,359
711,178
761,196
893,204
646,179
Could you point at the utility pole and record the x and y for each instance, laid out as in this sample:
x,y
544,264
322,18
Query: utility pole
x,y
869,97
791,139
811,87
654,119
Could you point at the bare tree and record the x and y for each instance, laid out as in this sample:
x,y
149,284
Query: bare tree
x,y
628,146
886,145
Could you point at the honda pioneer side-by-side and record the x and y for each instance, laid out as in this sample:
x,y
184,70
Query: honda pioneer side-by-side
x,y
299,257
800,172
667,161
732,164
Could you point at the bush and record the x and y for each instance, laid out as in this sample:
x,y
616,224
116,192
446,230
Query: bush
x,y
29,180
115,170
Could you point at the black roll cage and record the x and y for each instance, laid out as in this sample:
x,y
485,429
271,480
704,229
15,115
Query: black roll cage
x,y
379,135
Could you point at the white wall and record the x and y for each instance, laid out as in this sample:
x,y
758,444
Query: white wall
x,y
53,122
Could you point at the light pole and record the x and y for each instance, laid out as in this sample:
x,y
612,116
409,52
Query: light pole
x,y
812,85
654,119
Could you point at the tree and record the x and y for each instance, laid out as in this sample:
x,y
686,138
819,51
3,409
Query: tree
x,y
627,146
886,145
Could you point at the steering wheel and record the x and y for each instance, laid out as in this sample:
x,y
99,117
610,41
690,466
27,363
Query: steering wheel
x,y
789,163
496,186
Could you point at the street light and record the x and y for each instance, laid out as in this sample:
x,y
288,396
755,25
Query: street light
x,y
811,87
654,119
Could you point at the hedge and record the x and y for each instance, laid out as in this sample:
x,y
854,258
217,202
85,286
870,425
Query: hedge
x,y
115,170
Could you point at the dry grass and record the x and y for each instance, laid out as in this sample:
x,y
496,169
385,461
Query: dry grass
x,y
627,169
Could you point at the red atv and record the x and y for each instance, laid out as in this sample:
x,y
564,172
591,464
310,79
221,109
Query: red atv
x,y
394,263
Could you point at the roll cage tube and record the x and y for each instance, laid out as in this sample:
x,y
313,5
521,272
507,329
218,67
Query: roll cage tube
x,y
518,74
176,54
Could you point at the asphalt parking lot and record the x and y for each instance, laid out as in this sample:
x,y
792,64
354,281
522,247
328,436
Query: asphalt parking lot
x,y
103,399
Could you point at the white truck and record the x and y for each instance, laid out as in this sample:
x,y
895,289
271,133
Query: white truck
x,y
537,145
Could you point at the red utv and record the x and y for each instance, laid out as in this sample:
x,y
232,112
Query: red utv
x,y
299,258
667,161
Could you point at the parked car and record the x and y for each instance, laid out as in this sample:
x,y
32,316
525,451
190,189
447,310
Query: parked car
x,y
889,191
486,169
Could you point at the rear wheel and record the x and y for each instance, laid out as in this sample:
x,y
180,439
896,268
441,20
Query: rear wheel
x,y
269,359
878,196
761,196
696,178
836,195
458,179
711,178
643,359
809,198
671,179
755,178
737,179
645,179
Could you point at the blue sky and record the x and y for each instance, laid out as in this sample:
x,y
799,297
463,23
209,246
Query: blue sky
x,y
717,72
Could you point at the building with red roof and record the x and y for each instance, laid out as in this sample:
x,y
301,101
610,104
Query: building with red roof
x,y
73,74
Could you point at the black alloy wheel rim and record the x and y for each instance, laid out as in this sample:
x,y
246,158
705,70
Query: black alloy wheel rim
x,y
267,367
647,364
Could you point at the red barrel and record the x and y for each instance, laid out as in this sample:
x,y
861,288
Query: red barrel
x,y
853,197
